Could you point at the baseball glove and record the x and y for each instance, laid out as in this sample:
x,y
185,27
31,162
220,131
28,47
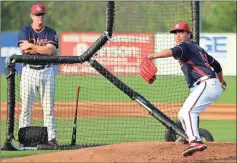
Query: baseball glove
x,y
148,70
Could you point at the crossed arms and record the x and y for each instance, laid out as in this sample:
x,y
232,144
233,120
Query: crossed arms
x,y
29,48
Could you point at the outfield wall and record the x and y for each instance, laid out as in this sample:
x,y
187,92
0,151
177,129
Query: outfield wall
x,y
221,46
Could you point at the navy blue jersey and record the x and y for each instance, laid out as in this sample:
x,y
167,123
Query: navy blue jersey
x,y
195,62
41,38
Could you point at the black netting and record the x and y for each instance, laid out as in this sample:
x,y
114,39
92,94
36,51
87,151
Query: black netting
x,y
105,114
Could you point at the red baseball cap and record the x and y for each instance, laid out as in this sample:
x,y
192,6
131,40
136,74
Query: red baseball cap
x,y
38,9
180,26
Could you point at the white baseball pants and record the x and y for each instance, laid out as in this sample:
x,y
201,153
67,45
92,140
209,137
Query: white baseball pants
x,y
42,82
198,100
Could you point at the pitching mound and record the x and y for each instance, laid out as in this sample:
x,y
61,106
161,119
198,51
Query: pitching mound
x,y
138,152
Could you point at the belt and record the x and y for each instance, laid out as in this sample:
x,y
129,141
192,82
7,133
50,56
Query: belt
x,y
200,80
38,67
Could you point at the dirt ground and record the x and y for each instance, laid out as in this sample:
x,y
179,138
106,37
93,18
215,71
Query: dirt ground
x,y
152,152
112,109
217,152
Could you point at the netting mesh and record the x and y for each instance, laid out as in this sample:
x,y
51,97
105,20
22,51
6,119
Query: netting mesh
x,y
105,114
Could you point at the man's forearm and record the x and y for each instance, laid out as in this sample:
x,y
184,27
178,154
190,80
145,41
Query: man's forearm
x,y
161,54
220,77
44,50
30,51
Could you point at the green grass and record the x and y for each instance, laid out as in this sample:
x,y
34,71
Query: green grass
x,y
222,130
229,95
107,130
96,88
12,154
113,130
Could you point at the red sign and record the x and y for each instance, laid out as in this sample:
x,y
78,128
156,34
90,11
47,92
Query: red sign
x,y
122,55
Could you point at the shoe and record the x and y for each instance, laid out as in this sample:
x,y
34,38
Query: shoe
x,y
21,145
52,142
194,147
186,140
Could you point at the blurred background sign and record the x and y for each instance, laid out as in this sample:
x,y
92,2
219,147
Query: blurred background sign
x,y
125,48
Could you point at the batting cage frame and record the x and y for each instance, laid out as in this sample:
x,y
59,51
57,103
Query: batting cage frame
x,y
87,56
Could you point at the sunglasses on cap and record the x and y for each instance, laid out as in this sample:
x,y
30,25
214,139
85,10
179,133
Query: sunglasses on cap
x,y
39,14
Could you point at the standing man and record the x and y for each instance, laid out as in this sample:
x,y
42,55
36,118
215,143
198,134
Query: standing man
x,y
38,39
204,78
